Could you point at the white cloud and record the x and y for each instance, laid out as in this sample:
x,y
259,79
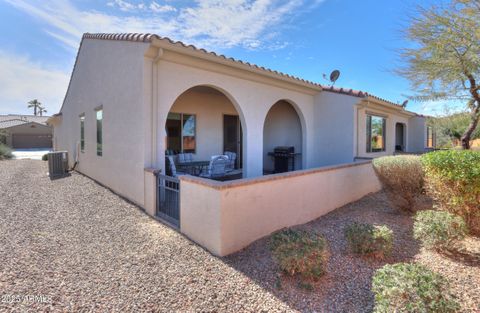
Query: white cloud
x,y
440,107
211,24
157,8
22,80
217,24
126,6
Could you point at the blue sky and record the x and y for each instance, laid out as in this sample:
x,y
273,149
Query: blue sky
x,y
305,38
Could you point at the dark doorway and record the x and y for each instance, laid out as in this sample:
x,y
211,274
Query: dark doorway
x,y
232,137
399,137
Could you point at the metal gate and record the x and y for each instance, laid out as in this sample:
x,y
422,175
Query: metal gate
x,y
168,199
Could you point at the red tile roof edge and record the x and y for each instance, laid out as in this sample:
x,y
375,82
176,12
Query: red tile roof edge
x,y
148,37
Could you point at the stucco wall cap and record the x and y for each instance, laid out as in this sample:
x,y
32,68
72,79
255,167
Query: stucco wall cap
x,y
264,179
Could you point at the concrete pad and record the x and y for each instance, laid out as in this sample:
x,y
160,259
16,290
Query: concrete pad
x,y
33,154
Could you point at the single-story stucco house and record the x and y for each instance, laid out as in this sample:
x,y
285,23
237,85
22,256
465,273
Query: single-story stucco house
x,y
132,98
26,131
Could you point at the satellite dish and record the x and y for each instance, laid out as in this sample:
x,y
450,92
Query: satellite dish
x,y
334,76
404,104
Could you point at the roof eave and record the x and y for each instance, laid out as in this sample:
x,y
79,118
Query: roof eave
x,y
389,105
230,62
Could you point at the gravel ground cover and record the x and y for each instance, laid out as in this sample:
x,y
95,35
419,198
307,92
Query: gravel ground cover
x,y
86,249
346,286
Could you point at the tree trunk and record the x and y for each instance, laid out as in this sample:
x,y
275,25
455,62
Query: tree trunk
x,y
475,110
468,133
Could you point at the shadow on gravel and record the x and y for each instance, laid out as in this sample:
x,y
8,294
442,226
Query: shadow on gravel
x,y
346,286
462,256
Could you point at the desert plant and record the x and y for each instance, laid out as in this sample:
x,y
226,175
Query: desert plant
x,y
438,229
453,181
5,152
402,179
405,287
369,239
3,137
300,252
45,157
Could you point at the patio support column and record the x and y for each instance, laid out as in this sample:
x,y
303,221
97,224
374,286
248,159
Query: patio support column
x,y
253,150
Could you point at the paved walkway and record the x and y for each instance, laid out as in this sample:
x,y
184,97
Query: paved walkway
x,y
33,154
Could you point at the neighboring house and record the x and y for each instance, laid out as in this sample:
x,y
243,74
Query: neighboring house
x,y
132,97
26,131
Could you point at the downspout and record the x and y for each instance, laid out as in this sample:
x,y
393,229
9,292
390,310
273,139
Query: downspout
x,y
154,106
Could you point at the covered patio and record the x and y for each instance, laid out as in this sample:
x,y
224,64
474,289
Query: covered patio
x,y
203,135
203,130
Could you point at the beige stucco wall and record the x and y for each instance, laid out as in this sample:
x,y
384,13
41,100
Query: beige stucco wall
x,y
201,215
251,96
335,128
282,128
209,109
108,74
137,85
226,217
392,118
417,131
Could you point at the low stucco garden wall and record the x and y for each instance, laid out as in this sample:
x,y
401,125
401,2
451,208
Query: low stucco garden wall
x,y
225,217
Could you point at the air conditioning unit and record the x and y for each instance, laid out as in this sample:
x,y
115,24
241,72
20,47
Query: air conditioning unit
x,y
57,164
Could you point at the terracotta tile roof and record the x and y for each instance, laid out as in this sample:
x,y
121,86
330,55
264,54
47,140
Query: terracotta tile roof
x,y
356,93
148,38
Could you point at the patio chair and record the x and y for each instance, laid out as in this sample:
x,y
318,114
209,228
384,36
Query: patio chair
x,y
171,169
232,157
185,157
217,167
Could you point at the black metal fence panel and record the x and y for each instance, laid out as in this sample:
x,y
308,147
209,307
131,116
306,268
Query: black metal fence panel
x,y
168,199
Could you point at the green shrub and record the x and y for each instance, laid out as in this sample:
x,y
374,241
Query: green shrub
x,y
5,152
45,157
438,229
405,287
300,252
402,179
370,239
453,181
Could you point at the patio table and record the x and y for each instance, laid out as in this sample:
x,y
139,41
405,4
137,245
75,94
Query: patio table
x,y
193,168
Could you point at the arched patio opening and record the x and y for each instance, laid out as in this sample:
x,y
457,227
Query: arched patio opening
x,y
204,122
282,128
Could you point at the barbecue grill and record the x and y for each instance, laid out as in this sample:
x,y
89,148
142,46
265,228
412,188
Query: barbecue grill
x,y
284,159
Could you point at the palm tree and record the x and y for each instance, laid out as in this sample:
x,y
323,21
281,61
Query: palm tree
x,y
35,104
41,110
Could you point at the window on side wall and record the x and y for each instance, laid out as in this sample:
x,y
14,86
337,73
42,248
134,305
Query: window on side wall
x,y
82,132
99,118
376,133
181,133
430,137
